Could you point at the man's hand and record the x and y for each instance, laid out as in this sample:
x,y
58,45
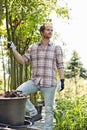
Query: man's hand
x,y
11,45
60,85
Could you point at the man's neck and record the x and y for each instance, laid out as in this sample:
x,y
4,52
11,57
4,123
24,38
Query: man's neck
x,y
45,42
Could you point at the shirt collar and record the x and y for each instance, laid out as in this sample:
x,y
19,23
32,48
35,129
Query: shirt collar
x,y
49,44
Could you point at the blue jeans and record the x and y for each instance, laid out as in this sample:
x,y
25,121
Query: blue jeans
x,y
48,93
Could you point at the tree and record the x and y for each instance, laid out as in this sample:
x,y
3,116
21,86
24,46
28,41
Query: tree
x,y
74,69
1,10
73,66
83,73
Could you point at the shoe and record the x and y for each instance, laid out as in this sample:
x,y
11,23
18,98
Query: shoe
x,y
33,118
39,109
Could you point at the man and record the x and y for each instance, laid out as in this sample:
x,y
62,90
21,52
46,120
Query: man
x,y
45,57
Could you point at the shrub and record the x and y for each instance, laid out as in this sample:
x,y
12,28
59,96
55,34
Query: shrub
x,y
71,114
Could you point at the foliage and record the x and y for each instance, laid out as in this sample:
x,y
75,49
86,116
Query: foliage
x,y
73,65
75,68
1,10
83,73
71,114
70,111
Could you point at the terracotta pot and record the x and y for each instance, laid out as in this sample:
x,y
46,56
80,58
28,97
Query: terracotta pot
x,y
12,110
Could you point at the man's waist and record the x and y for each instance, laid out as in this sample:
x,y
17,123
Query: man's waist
x,y
44,81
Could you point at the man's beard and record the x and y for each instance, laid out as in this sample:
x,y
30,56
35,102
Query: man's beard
x,y
47,37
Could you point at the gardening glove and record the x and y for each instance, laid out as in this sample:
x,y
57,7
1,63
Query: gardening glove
x,y
11,46
60,85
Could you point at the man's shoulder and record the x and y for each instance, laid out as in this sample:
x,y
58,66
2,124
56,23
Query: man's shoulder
x,y
55,45
34,45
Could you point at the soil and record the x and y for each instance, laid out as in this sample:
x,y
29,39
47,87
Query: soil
x,y
12,93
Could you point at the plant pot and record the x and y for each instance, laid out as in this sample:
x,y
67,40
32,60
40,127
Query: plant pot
x,y
12,110
6,128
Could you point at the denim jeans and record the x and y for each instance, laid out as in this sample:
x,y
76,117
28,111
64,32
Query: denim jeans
x,y
48,93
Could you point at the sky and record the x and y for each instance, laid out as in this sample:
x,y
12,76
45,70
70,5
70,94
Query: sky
x,y
74,31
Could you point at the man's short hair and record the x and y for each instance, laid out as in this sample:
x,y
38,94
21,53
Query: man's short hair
x,y
42,28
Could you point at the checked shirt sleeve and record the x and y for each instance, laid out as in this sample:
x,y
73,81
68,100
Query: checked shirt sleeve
x,y
59,57
27,55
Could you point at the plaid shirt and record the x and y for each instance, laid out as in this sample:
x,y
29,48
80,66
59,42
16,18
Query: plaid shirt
x,y
44,63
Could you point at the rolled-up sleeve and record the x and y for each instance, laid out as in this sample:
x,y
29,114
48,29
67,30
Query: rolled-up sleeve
x,y
59,57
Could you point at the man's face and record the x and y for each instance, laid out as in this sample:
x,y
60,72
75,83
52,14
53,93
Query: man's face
x,y
48,31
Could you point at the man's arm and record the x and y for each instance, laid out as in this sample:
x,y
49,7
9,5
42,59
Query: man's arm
x,y
18,57
60,65
61,73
